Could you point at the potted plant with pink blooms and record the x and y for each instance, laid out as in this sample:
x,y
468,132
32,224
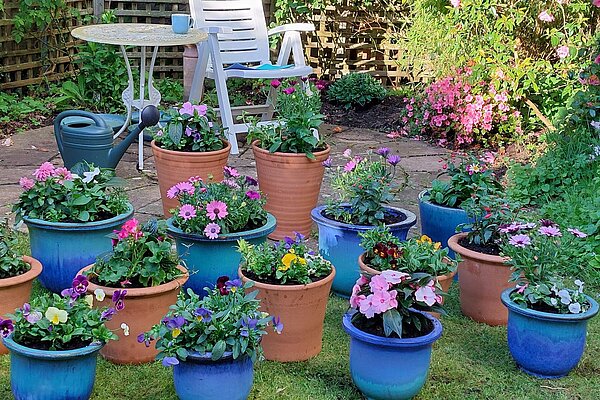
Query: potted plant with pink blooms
x,y
211,218
389,324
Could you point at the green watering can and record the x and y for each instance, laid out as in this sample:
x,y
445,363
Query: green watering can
x,y
91,139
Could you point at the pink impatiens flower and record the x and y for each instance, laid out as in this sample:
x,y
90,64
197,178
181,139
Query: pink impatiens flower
x,y
379,283
551,231
212,230
394,277
216,209
187,108
546,16
577,233
367,308
45,171
426,294
383,300
520,240
26,183
562,52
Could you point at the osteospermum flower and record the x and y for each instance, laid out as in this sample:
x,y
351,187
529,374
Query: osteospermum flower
x,y
393,160
172,192
551,231
216,210
231,172
383,152
212,230
327,163
577,233
187,211
350,165
520,240
185,187
45,171
253,195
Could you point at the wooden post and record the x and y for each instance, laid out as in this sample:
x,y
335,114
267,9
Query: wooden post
x,y
98,9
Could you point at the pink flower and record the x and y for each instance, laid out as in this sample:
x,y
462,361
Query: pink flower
x,y
383,300
26,183
45,171
350,165
393,277
231,183
289,90
201,109
550,231
187,108
187,211
347,153
562,52
230,172
212,230
597,59
546,16
172,192
130,228
367,307
521,288
455,3
185,187
596,3
426,294
488,157
253,195
379,283
216,209
194,179
520,240
362,280
275,83
356,300
577,233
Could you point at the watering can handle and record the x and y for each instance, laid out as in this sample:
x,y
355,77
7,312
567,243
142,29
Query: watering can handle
x,y
74,113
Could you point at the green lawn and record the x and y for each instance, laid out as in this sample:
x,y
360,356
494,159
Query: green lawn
x,y
470,361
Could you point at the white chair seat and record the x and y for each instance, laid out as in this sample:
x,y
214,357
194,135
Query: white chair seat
x,y
301,70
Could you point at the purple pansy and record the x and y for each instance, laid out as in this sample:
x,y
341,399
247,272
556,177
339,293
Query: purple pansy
x,y
170,361
118,298
80,284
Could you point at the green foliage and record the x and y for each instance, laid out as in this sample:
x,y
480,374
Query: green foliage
x,y
18,108
11,262
488,214
171,90
35,15
288,262
356,90
141,256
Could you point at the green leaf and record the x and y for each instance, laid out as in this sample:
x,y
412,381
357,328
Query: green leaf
x,y
392,322
175,132
218,350
81,200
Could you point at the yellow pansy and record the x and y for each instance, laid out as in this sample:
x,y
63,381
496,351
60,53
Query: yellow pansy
x,y
90,300
437,246
100,294
424,239
55,315
289,258
176,332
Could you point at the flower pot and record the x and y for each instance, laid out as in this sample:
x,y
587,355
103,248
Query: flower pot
x,y
144,307
445,281
199,377
301,309
46,374
483,277
390,368
15,291
291,182
440,222
208,259
339,243
64,248
546,345
173,167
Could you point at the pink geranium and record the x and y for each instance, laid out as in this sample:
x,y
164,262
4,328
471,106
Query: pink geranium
x,y
212,230
26,183
216,209
45,171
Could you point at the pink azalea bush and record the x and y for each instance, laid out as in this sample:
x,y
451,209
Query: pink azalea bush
x,y
211,209
385,304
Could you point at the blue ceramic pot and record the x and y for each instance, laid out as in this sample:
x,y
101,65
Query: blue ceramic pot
x,y
390,368
546,345
339,243
198,377
45,374
208,259
64,248
439,222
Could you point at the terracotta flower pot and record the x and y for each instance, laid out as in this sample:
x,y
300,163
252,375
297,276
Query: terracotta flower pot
x,y
173,167
444,280
301,309
483,277
15,291
291,183
144,307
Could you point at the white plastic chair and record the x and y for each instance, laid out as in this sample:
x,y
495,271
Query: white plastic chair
x,y
238,35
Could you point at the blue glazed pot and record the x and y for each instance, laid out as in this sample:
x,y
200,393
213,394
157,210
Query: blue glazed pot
x,y
546,345
439,222
64,248
208,259
198,377
390,368
339,243
45,374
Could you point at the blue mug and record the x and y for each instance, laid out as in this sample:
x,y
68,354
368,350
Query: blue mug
x,y
181,23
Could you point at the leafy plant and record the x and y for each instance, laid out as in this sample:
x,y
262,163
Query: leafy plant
x,y
356,90
11,262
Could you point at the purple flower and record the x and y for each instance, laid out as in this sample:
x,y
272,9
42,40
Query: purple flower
x,y
289,90
187,108
185,187
248,324
170,361
383,152
187,211
221,281
253,195
33,317
299,237
175,322
230,172
6,327
188,131
203,314
275,83
520,240
393,160
577,233
107,314
70,292
80,284
233,285
251,181
277,324
197,137
212,230
550,231
118,298
547,222
288,242
327,163
142,339
26,309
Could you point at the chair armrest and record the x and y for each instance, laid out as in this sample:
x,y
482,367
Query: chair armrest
x,y
214,29
303,27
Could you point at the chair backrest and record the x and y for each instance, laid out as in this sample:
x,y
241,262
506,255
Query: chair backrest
x,y
249,42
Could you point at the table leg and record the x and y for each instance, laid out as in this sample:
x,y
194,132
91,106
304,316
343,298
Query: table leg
x,y
127,95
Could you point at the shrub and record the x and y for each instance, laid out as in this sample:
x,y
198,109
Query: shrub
x,y
356,90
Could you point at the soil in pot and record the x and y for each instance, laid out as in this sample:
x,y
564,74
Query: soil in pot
x,y
491,249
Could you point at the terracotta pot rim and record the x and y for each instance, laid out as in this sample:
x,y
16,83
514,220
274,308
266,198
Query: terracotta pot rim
x,y
453,244
34,271
317,154
141,292
225,149
290,288
74,226
373,271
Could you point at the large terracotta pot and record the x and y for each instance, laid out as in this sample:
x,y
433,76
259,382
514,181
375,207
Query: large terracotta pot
x,y
445,281
15,291
483,277
144,307
291,183
173,167
301,309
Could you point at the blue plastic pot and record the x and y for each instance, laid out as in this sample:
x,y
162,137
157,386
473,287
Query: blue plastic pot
x,y
546,345
390,368
45,374
340,244
64,248
208,259
439,222
201,378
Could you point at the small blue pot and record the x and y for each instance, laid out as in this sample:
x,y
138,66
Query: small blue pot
x,y
208,259
390,368
439,222
340,244
64,248
546,345
45,374
199,377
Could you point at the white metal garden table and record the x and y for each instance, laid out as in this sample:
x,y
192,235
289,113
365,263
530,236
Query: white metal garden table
x,y
143,36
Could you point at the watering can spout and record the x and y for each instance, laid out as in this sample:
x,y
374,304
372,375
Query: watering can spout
x,y
149,117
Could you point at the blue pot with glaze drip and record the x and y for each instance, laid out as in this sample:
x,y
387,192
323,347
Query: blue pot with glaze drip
x,y
390,368
46,374
339,243
64,248
546,345
199,377
208,259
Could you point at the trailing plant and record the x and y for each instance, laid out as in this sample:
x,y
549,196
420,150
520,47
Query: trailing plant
x,y
11,262
356,90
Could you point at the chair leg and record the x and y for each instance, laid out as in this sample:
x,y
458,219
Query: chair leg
x,y
199,73
271,102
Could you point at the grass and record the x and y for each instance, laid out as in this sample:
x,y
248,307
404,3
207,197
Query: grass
x,y
470,361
